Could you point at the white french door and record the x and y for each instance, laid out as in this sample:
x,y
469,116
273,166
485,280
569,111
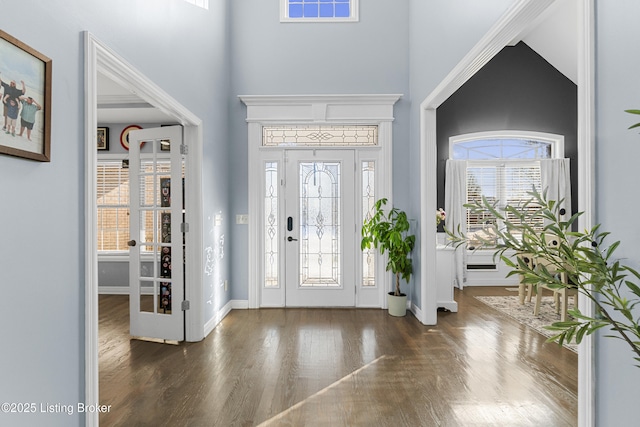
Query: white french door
x,y
156,265
319,228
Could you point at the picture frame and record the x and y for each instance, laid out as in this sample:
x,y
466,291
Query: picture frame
x,y
124,136
25,79
102,138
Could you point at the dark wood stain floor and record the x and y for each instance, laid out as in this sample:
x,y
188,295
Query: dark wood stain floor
x,y
339,367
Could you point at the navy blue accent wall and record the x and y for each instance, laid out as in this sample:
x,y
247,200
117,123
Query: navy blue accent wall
x,y
516,90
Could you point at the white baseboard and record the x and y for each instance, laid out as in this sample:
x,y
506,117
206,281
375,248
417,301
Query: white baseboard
x,y
222,313
417,312
113,290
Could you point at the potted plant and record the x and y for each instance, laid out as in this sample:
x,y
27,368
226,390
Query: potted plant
x,y
389,233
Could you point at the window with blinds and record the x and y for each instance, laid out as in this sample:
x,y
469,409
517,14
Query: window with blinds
x,y
503,167
113,201
503,184
113,206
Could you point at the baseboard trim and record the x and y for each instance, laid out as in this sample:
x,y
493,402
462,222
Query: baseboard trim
x,y
417,312
113,290
222,313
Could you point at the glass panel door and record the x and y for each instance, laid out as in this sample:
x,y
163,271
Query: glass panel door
x,y
156,266
320,228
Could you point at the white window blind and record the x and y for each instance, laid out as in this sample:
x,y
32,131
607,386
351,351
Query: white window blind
x,y
112,205
113,202
507,183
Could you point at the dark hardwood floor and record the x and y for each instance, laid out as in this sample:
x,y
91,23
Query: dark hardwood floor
x,y
339,367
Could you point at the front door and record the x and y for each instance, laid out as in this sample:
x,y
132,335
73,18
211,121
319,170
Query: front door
x,y
156,264
319,228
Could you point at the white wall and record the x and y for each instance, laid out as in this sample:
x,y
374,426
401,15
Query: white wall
x,y
180,47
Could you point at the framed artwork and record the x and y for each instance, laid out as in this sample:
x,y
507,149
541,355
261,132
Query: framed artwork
x,y
103,138
25,77
124,136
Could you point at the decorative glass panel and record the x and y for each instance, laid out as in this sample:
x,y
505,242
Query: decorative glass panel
x,y
271,225
320,212
368,200
324,136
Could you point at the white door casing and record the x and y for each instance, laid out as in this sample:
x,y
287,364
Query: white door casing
x,y
99,58
265,110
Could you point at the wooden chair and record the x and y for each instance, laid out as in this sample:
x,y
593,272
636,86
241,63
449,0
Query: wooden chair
x,y
560,295
528,260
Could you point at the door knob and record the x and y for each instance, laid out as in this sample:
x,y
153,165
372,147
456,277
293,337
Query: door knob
x,y
291,239
131,243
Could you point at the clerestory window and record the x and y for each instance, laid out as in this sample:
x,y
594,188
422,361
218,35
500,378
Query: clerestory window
x,y
318,10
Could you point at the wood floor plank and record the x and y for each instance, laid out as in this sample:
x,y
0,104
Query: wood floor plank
x,y
339,367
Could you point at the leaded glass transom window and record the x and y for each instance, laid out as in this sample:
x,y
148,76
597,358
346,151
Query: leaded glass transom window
x,y
320,136
318,10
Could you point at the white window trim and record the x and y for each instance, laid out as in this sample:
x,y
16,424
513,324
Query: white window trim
x,y
284,14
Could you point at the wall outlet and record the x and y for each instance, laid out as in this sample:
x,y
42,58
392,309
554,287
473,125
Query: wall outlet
x,y
226,285
242,219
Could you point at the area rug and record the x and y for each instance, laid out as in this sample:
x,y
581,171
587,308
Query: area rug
x,y
523,314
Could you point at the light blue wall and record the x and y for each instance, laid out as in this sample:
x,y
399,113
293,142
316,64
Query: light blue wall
x,y
617,154
269,57
441,34
404,47
180,47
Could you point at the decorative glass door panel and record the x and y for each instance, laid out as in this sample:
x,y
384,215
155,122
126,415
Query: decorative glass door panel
x,y
156,272
320,228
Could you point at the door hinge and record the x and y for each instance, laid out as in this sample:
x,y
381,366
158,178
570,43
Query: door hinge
x,y
184,149
185,305
184,227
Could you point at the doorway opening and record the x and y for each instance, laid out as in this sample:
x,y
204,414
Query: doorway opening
x,y
100,59
516,21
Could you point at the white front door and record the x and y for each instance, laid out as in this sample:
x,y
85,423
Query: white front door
x,y
156,264
319,228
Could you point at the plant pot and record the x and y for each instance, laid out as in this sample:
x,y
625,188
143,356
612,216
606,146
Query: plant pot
x,y
397,304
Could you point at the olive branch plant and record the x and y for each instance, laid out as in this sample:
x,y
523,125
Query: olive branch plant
x,y
584,257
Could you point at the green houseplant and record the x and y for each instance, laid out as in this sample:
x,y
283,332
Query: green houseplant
x,y
389,233
585,257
